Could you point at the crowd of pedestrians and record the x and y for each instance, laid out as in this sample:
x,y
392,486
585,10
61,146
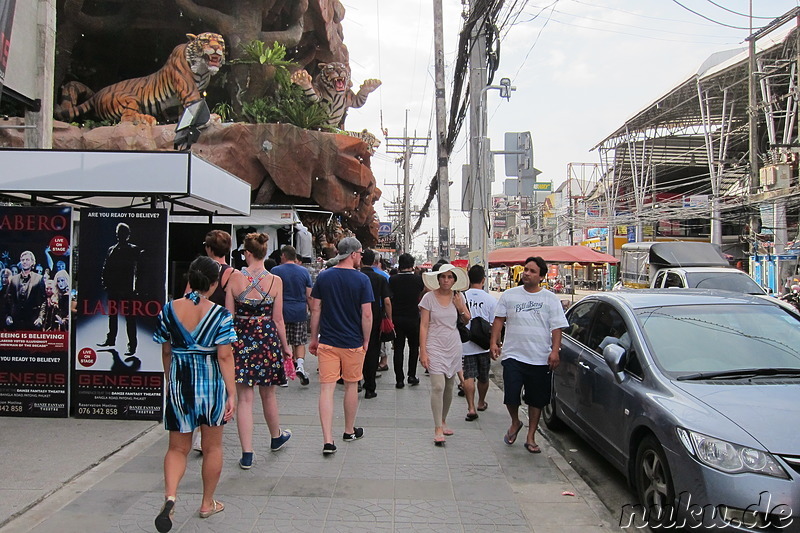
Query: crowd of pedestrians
x,y
236,330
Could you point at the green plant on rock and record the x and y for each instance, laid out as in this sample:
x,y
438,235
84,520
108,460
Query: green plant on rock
x,y
224,110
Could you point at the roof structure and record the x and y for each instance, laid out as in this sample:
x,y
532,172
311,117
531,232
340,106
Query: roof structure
x,y
551,254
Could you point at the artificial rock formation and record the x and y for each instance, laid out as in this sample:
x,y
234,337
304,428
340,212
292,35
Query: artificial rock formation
x,y
282,163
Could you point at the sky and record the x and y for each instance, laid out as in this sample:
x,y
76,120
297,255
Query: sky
x,y
580,68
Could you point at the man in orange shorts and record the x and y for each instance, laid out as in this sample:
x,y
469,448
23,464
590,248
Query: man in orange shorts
x,y
341,321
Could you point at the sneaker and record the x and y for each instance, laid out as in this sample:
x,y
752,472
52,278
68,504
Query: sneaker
x,y
360,386
284,383
413,381
246,462
399,385
355,435
370,394
329,448
302,375
280,441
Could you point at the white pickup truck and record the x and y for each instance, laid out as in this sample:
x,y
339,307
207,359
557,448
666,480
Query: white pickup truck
x,y
697,265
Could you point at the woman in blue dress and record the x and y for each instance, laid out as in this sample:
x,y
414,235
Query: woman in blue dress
x,y
195,336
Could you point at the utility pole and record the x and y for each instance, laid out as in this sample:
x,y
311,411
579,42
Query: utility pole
x,y
407,146
480,181
442,154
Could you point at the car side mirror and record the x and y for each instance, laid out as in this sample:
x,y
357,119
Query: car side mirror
x,y
614,355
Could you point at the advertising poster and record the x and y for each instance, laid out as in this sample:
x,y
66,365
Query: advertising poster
x,y
6,22
35,248
121,290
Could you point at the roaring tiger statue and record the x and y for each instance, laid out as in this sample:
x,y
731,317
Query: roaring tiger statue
x,y
181,81
332,88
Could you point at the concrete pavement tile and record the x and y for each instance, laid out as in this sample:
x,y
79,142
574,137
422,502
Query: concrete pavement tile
x,y
321,470
475,473
430,490
217,524
271,524
377,471
574,529
364,488
13,501
416,527
304,487
521,473
543,492
482,528
363,511
148,482
82,521
575,513
416,472
491,513
241,486
488,489
145,463
426,511
336,526
298,508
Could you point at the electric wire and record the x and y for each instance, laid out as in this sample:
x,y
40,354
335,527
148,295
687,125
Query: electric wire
x,y
709,18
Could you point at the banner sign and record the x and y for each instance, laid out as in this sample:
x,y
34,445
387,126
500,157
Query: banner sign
x,y
35,249
121,289
6,22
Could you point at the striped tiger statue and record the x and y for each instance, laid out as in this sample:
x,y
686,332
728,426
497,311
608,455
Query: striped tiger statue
x,y
332,88
181,81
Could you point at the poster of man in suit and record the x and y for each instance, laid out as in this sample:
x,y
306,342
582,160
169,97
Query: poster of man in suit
x,y
121,290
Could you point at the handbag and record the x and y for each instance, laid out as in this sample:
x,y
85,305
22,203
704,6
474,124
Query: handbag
x,y
387,329
463,331
288,368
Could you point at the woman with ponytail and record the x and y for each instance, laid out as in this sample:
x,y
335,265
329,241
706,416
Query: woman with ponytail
x,y
195,336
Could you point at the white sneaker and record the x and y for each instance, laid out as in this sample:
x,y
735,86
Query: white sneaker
x,y
301,373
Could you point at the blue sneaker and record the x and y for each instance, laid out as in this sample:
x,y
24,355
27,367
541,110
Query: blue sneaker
x,y
246,462
280,441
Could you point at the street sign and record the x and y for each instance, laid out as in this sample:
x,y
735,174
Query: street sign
x,y
543,186
384,228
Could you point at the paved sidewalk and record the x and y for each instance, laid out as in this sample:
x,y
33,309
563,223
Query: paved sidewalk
x,y
394,479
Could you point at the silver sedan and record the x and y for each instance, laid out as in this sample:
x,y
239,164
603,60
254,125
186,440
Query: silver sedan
x,y
695,396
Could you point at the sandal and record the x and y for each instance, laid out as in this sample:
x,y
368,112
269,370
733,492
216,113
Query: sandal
x,y
447,432
164,518
485,406
511,438
471,416
439,440
533,448
217,508
383,368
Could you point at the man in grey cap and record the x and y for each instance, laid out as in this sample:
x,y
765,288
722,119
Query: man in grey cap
x,y
341,322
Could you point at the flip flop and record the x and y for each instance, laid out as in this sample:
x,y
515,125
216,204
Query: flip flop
x,y
448,432
439,440
164,518
217,508
533,448
471,416
509,438
383,368
485,407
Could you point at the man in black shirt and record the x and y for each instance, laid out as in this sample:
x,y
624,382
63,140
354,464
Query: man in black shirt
x,y
406,288
381,303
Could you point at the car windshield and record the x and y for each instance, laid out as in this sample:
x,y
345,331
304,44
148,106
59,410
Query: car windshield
x,y
735,281
721,338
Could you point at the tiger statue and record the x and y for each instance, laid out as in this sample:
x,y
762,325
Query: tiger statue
x,y
181,80
332,88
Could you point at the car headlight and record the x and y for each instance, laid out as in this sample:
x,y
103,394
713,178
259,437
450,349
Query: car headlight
x,y
728,457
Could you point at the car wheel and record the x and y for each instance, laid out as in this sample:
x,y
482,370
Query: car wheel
x,y
550,417
653,481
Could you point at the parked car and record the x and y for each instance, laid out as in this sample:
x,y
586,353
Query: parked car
x,y
695,396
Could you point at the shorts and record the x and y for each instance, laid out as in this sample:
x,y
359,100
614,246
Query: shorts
x,y
537,380
335,363
477,366
297,333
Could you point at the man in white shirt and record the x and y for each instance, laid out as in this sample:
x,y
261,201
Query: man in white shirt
x,y
476,362
533,317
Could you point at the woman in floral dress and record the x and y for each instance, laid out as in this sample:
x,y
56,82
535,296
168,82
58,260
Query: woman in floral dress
x,y
255,297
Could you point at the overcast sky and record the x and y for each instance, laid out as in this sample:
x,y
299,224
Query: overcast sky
x,y
581,68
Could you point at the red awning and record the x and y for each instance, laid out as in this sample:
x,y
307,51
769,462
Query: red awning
x,y
551,254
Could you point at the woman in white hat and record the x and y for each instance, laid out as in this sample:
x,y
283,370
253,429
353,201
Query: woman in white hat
x,y
439,341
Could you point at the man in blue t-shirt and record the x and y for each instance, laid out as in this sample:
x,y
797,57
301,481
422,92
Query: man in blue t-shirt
x,y
341,322
296,297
